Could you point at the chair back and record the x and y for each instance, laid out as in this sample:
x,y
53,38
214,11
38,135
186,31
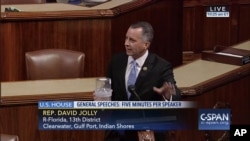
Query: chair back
x,y
6,137
54,64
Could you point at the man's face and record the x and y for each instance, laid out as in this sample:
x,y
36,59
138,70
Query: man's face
x,y
134,44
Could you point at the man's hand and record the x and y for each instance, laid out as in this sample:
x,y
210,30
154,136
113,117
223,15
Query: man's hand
x,y
167,90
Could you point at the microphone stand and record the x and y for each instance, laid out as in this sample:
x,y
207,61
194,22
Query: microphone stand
x,y
131,89
143,135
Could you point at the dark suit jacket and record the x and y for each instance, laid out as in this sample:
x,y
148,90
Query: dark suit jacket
x,y
154,72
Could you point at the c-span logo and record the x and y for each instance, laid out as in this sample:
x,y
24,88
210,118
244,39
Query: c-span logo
x,y
214,119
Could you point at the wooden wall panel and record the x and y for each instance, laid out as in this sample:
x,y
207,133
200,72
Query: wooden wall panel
x,y
89,36
191,29
215,32
244,22
97,37
203,33
167,42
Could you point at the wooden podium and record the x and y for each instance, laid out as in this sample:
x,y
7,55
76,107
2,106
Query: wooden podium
x,y
210,84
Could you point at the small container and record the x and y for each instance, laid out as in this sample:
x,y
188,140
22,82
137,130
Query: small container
x,y
103,91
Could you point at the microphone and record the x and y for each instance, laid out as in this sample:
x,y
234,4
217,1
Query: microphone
x,y
131,89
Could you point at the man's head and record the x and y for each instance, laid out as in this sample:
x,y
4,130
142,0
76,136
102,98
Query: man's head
x,y
138,39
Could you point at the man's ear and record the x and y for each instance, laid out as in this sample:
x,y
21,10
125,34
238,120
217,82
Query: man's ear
x,y
147,44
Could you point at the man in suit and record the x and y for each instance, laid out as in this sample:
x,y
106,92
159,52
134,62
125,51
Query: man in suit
x,y
154,79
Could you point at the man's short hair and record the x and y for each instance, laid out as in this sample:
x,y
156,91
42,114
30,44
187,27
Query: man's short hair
x,y
147,30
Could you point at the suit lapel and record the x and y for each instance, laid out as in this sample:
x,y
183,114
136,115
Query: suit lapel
x,y
146,68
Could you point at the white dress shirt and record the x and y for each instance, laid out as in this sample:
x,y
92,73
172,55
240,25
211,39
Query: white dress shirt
x,y
139,62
